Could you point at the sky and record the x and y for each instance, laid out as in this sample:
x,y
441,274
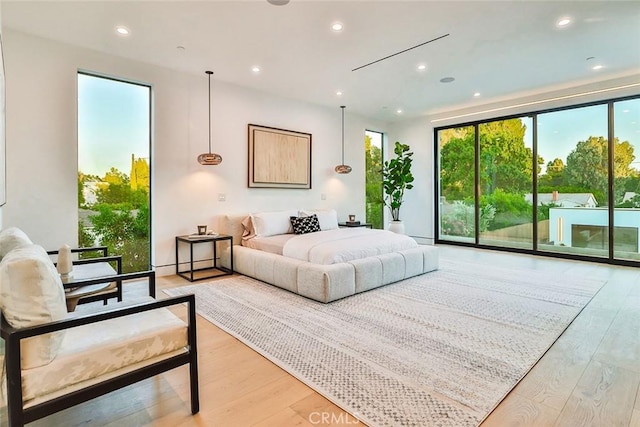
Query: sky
x,y
113,123
560,131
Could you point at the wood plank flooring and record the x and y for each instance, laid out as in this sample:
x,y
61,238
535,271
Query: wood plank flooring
x,y
589,377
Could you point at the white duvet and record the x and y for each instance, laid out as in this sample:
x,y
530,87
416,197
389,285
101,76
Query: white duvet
x,y
345,244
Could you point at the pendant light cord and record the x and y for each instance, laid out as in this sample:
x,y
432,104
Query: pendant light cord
x,y
209,73
342,106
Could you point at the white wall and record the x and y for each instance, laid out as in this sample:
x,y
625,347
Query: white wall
x,y
418,210
42,146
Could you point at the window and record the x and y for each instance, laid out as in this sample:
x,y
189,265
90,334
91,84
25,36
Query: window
x,y
114,168
373,165
565,181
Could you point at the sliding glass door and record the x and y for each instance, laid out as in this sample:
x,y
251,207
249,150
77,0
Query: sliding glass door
x,y
506,179
563,182
456,207
626,179
573,191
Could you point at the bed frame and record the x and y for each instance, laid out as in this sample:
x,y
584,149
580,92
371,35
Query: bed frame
x,y
325,283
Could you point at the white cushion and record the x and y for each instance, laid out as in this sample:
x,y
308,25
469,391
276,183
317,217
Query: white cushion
x,y
12,238
271,223
31,293
328,218
95,350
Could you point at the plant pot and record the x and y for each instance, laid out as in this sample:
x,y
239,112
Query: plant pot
x,y
396,227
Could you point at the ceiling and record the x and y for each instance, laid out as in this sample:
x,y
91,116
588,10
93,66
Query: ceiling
x,y
494,48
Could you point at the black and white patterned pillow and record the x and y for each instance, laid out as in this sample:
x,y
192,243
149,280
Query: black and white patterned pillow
x,y
305,224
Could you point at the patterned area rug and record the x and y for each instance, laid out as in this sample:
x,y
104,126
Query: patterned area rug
x,y
442,349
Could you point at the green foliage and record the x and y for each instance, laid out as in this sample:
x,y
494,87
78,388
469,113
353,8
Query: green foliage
x,y
554,175
120,219
460,219
373,186
543,210
510,209
125,232
397,178
122,195
587,165
505,161
457,163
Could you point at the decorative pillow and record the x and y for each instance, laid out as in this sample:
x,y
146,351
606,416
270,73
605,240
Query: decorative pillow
x,y
305,224
248,232
328,218
272,223
12,238
31,293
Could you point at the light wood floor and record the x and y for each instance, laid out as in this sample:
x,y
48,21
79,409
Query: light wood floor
x,y
589,377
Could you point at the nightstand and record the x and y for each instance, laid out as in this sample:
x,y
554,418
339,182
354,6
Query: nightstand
x,y
193,274
362,224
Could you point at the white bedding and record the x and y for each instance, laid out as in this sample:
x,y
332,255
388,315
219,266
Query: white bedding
x,y
345,244
271,244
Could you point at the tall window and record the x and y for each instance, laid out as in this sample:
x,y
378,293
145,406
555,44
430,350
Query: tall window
x,y
373,165
565,181
114,168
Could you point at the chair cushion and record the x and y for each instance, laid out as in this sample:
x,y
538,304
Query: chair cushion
x,y
12,238
93,351
31,293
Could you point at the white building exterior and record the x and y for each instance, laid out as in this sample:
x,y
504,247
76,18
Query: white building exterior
x,y
562,220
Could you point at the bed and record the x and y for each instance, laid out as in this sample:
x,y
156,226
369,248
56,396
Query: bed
x,y
326,265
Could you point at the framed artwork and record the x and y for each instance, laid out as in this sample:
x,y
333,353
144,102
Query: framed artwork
x,y
3,132
279,158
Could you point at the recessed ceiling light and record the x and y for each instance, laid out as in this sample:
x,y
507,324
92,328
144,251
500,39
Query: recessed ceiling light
x,y
597,67
477,94
625,110
337,26
181,48
339,93
446,80
399,111
121,30
278,2
422,67
255,69
563,22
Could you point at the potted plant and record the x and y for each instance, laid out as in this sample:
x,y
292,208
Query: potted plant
x,y
396,178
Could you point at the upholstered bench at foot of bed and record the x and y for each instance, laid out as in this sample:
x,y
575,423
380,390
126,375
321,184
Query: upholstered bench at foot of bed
x,y
326,283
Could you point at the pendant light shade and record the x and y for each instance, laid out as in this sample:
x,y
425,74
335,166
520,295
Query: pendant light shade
x,y
209,158
342,168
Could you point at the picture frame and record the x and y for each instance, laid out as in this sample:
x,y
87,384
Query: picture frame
x,y
279,158
3,132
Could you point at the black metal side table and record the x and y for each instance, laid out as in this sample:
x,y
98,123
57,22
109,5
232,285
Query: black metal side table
x,y
348,225
217,270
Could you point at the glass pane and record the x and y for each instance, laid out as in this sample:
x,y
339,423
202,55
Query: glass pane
x,y
113,168
457,159
506,182
626,216
373,164
572,181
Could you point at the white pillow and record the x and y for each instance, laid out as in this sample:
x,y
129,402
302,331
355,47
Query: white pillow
x,y
12,238
272,223
328,218
31,294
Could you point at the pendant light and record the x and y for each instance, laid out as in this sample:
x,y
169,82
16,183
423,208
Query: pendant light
x,y
342,168
209,158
